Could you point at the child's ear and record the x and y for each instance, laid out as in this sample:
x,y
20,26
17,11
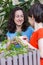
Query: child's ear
x,y
32,17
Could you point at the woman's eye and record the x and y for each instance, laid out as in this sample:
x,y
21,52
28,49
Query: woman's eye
x,y
22,16
19,16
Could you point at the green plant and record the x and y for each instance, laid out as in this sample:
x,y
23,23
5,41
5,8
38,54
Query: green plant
x,y
6,6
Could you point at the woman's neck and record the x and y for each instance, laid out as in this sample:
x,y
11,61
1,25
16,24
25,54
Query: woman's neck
x,y
18,29
38,26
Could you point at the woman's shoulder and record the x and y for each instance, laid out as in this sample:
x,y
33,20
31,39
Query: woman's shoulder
x,y
30,28
10,34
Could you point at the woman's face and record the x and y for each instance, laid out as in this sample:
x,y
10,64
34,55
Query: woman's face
x,y
19,17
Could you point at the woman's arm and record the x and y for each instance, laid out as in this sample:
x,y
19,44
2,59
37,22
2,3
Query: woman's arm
x,y
40,45
8,43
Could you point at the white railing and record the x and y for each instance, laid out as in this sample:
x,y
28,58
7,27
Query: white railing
x,y
30,58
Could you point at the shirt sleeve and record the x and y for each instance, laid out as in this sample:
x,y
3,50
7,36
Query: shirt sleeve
x,y
10,35
7,34
40,33
33,40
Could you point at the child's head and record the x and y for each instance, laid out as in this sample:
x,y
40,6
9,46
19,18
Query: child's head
x,y
37,9
30,17
35,14
17,17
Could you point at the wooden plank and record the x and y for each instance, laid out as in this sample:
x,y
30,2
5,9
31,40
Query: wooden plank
x,y
2,61
20,59
30,58
9,61
38,57
15,60
34,57
25,59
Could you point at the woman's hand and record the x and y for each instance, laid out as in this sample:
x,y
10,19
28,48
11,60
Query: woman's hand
x,y
25,41
24,38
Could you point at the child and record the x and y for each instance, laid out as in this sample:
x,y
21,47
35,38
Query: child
x,y
36,39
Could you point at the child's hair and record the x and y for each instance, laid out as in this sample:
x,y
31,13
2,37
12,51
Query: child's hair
x,y
29,13
37,11
11,23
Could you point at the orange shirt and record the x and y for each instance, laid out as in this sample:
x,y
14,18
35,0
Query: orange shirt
x,y
34,40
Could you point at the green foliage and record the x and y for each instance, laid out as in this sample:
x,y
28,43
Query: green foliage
x,y
36,1
6,6
18,34
12,49
2,37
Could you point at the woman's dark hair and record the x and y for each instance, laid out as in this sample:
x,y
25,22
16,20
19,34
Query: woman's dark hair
x,y
37,11
11,23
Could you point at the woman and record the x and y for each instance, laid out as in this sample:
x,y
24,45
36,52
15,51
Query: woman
x,y
18,23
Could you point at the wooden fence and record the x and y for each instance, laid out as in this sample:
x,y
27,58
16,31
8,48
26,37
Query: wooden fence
x,y
30,58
